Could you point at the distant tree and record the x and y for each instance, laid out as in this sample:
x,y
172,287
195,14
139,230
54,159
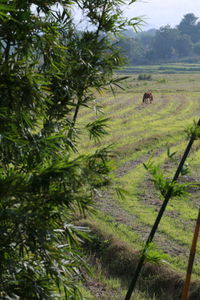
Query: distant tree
x,y
48,72
146,38
163,43
131,49
196,48
189,26
183,45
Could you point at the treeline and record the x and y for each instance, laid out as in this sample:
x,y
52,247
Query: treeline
x,y
167,44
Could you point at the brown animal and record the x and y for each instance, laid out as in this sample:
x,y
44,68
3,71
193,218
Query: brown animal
x,y
147,96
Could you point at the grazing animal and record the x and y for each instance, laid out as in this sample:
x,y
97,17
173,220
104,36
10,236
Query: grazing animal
x,y
147,96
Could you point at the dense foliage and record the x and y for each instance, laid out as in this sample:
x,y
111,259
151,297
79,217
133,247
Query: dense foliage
x,y
48,72
166,44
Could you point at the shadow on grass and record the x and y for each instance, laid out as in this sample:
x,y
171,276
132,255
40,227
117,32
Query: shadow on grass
x,y
118,261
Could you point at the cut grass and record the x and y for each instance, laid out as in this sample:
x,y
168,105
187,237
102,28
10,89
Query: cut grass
x,y
138,132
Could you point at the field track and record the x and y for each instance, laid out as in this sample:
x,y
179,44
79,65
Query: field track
x,y
139,132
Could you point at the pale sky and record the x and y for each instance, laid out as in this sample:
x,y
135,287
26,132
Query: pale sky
x,y
162,12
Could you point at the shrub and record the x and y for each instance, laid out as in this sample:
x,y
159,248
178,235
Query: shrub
x,y
144,77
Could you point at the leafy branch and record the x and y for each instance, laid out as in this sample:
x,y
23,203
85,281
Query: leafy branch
x,y
164,184
97,128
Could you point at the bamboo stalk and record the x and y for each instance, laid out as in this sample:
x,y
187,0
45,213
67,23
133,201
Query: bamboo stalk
x,y
191,260
159,216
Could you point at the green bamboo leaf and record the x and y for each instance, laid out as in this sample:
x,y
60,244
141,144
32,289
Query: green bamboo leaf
x,y
97,128
121,193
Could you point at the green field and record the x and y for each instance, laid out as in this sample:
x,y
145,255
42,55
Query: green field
x,y
137,133
170,68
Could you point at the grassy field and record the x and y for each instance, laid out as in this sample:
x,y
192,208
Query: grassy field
x,y
139,132
170,68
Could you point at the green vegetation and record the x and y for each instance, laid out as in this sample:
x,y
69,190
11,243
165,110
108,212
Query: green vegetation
x,y
49,71
144,77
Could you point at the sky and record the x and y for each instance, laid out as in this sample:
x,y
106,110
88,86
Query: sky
x,y
159,13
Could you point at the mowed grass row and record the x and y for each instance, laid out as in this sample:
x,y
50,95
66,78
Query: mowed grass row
x,y
139,132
